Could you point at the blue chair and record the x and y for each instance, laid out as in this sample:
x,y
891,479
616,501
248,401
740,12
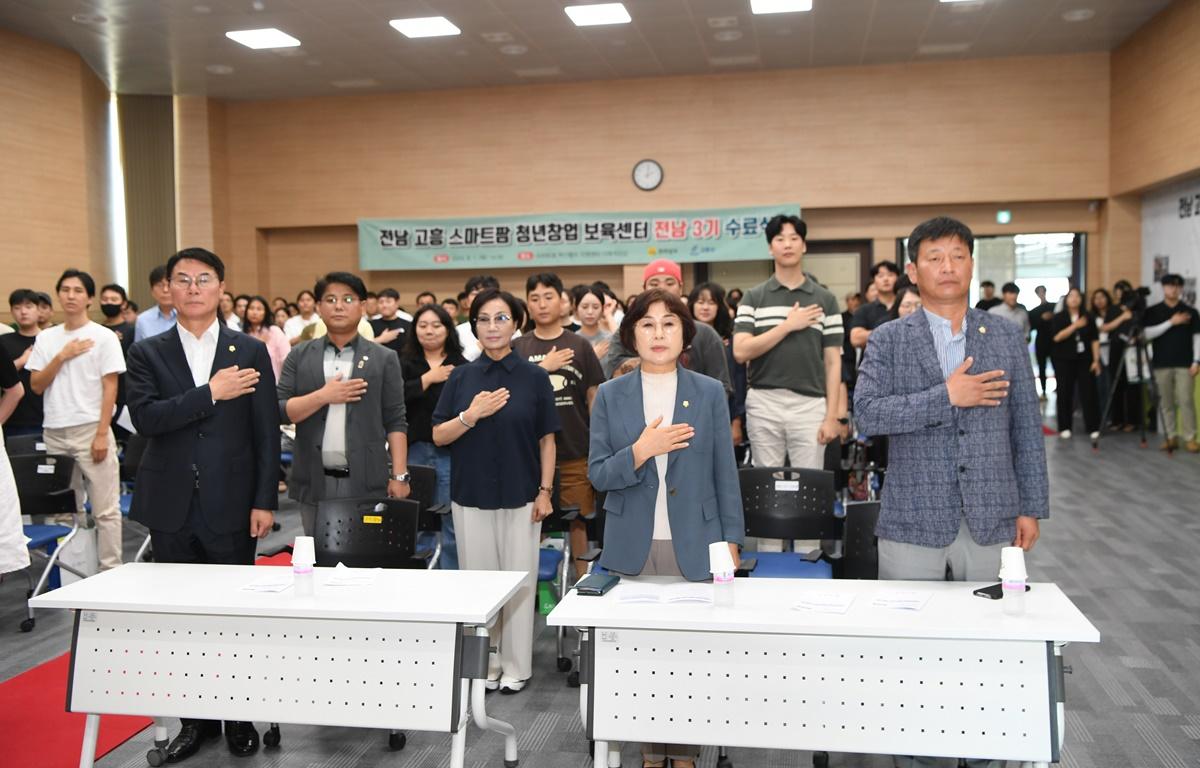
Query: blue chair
x,y
790,503
44,489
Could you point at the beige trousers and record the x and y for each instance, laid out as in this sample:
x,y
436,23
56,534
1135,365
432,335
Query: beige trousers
x,y
782,427
1176,387
504,540
101,481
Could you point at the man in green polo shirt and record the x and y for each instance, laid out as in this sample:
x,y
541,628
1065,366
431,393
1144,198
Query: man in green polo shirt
x,y
789,330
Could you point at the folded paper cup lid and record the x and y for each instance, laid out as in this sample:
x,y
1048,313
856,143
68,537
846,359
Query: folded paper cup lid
x,y
303,551
1012,564
720,560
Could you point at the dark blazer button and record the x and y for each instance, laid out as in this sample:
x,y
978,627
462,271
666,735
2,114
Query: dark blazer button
x,y
962,469
962,431
201,435
672,491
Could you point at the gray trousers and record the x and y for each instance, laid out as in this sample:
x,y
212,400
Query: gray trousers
x,y
335,488
966,561
661,562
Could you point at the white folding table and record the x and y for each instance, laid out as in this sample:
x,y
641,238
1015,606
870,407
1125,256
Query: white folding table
x,y
957,678
172,640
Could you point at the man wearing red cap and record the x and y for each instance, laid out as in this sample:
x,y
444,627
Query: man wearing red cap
x,y
707,353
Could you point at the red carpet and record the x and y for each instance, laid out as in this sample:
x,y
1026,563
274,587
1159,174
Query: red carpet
x,y
38,731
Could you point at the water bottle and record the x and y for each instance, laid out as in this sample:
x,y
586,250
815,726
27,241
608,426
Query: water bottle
x,y
1012,580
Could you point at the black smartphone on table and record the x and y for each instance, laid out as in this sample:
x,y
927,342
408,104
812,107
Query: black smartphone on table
x,y
993,592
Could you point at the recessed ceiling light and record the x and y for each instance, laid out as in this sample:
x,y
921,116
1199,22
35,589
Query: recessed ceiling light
x,y
496,37
513,50
722,22
89,18
596,15
780,6
727,35
938,49
733,61
538,72
262,38
426,26
1078,14
219,69
362,82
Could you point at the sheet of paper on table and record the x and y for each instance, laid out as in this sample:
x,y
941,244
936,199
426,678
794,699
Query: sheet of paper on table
x,y
273,580
685,592
901,599
351,577
825,602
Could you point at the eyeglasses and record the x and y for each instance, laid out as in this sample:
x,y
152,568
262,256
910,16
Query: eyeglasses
x,y
202,280
348,300
497,321
668,326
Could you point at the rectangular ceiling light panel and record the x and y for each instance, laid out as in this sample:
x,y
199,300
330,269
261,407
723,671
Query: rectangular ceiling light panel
x,y
259,39
596,15
428,26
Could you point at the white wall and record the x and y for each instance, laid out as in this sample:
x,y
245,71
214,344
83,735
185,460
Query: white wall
x,y
1171,235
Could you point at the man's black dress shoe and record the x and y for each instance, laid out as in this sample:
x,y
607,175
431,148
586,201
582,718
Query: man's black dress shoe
x,y
241,738
191,736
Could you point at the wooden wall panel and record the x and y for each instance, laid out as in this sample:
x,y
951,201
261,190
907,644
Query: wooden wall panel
x,y
1156,101
954,133
48,139
148,155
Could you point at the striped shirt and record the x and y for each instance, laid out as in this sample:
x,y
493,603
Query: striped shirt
x,y
796,363
951,347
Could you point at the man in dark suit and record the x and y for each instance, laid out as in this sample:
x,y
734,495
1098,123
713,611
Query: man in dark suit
x,y
204,398
345,395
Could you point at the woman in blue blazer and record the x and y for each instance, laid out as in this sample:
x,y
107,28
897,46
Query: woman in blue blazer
x,y
662,450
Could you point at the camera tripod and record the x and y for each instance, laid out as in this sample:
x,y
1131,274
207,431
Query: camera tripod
x,y
1145,383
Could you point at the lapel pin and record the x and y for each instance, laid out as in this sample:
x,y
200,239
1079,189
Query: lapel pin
x,y
365,357
232,348
360,364
686,403
983,329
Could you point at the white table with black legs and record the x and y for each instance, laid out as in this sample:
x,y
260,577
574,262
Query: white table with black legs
x,y
957,678
406,651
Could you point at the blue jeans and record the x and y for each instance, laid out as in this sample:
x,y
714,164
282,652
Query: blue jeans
x,y
430,455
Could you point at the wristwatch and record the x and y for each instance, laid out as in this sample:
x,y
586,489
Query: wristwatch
x,y
403,477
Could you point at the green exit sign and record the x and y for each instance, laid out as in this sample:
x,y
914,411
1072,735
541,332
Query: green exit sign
x,y
1003,217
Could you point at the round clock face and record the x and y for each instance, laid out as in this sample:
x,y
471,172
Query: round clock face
x,y
647,175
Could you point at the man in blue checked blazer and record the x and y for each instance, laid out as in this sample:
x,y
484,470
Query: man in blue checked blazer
x,y
952,388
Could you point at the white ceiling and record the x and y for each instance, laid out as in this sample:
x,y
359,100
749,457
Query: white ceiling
x,y
169,46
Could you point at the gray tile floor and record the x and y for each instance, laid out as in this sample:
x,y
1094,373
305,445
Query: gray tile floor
x,y
1124,543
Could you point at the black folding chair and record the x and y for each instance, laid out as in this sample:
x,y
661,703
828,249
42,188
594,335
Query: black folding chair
x,y
423,485
366,533
861,557
23,445
44,489
790,503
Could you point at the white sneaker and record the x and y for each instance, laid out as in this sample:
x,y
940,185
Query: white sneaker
x,y
1095,436
1065,434
493,679
491,685
512,686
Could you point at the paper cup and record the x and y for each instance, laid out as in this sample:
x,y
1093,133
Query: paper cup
x,y
1012,564
720,560
303,552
